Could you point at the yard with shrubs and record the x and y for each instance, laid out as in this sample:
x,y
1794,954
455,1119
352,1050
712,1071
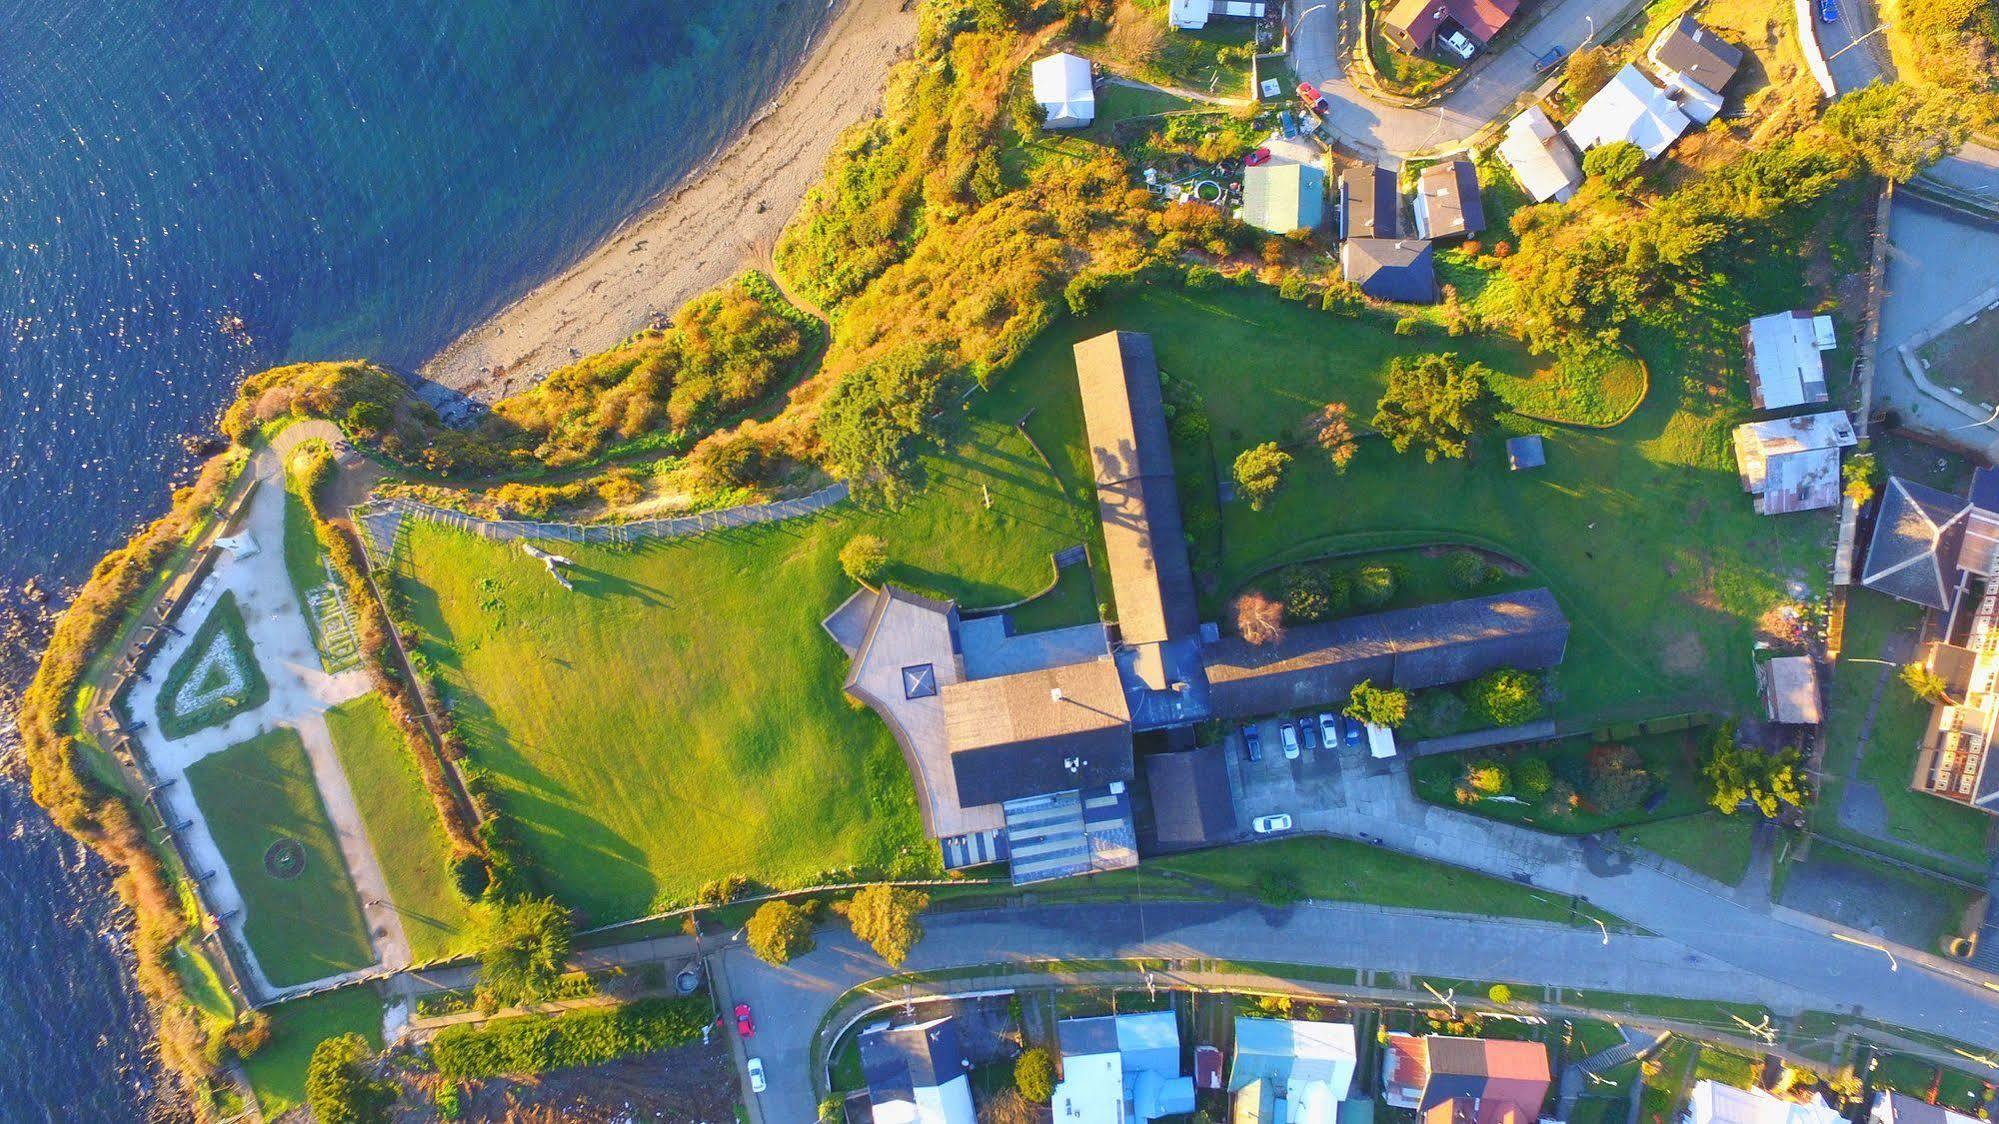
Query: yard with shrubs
x,y
1575,786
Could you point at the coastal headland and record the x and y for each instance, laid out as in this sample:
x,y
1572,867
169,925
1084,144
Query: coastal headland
x,y
701,233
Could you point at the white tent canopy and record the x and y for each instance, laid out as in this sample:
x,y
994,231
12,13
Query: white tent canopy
x,y
1063,86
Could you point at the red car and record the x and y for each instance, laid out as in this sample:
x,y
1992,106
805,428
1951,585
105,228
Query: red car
x,y
1255,158
745,1025
1313,99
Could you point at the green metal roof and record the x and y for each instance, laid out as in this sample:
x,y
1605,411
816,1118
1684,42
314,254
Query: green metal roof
x,y
1281,198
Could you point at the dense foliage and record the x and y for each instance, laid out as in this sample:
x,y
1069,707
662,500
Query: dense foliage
x,y
525,951
875,423
1435,403
1377,706
337,1085
1507,697
531,1044
1742,775
778,931
1034,1075
886,917
1259,471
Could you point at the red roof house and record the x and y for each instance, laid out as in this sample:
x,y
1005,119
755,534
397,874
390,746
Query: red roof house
x,y
1466,1080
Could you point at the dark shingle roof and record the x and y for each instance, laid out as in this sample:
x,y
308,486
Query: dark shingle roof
x,y
1391,269
1011,737
1698,53
1451,200
1370,203
1408,648
1912,554
1191,805
898,1060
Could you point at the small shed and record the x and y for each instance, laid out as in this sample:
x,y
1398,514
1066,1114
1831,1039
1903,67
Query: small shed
x,y
1791,690
1792,464
1281,198
1065,90
1525,452
1785,367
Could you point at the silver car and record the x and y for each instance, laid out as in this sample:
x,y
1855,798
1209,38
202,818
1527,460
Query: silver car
x,y
756,1068
1272,824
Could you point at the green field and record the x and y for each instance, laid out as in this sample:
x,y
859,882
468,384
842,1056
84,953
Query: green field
x,y
402,825
1713,844
253,794
223,626
277,1072
1641,531
679,716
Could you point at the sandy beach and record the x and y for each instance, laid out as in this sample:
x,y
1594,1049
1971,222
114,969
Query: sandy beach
x,y
723,219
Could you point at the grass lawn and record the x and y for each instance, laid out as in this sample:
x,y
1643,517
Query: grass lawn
x,y
1597,391
208,678
252,795
1717,1063
1712,844
1667,1085
671,721
402,824
1672,759
1641,531
1073,601
277,1072
1189,59
1401,72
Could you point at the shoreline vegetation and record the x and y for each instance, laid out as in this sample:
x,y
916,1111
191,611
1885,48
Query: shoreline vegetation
x,y
939,254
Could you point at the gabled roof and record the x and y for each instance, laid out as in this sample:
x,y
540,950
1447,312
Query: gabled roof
x,y
1791,690
1191,803
1281,198
916,1073
1688,48
1913,552
1628,108
1391,269
1539,156
1370,203
1420,19
1447,200
1012,736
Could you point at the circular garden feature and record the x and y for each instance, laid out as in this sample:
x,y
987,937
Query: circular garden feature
x,y
284,859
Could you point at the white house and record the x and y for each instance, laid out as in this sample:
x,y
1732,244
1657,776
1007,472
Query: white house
x,y
1715,1103
1629,108
1540,158
1785,368
1296,1072
1121,1069
1067,92
916,1074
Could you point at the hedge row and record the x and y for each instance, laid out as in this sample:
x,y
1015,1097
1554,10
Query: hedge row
x,y
530,1044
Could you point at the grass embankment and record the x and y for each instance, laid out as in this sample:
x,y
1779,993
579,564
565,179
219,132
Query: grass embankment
x,y
252,795
223,628
1401,72
671,721
1712,844
402,825
1641,531
532,1044
277,1072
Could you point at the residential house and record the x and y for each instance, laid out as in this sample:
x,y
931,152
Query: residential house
x,y
1287,1072
1391,269
1697,63
1065,90
1465,1080
1370,203
1790,687
1193,15
1540,157
1447,201
1712,1102
1283,197
1465,26
1940,551
1900,1108
1628,108
916,1074
1792,464
1121,1069
1785,368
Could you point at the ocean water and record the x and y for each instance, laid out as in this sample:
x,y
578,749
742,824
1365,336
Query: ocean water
x,y
349,178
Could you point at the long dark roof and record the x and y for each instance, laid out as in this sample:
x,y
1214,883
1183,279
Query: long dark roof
x,y
1391,269
899,1060
1913,552
1151,577
1370,203
1191,805
1429,646
1011,736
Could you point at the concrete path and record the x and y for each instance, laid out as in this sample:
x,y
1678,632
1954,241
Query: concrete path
x,y
301,692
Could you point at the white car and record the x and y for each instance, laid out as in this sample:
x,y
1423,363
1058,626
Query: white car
x,y
1271,825
1289,734
756,1068
1329,730
1460,44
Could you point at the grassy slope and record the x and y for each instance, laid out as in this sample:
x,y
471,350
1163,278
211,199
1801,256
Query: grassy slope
x,y
402,824
1663,589
277,1072
674,720
306,927
1713,844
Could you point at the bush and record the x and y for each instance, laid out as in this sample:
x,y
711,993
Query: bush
x,y
1313,593
469,875
1468,569
1486,777
1374,585
1377,706
1615,163
1203,277
1343,298
339,1090
1532,779
1293,288
1259,471
778,931
1408,326
1617,780
1507,697
1034,1075
1085,293
531,1044
865,559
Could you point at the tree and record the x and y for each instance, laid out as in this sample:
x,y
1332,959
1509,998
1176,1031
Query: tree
x,y
339,1090
1486,777
865,559
1332,429
1743,774
1377,706
525,951
1862,473
877,418
1532,778
1258,618
1925,683
1499,993
778,931
1899,129
1617,781
1506,697
1434,402
1587,71
1034,1075
1258,472
1614,163
886,917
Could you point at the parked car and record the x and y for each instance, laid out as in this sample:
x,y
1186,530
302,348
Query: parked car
x,y
1287,121
1307,735
1459,44
1828,11
1288,734
756,1068
1354,731
1329,729
1313,99
745,1025
1271,825
1255,158
1252,743
1550,59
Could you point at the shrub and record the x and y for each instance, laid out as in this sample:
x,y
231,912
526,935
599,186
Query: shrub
x,y
1506,697
1084,293
778,931
1377,706
1617,781
1499,993
1615,163
339,1090
531,1044
1343,298
525,951
469,875
250,1033
1408,326
1310,593
1259,471
1468,569
865,559
1486,777
1258,618
1374,585
1203,277
1332,430
1034,1075
1532,779
1293,288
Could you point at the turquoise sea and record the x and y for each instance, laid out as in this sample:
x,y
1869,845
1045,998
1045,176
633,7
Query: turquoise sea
x,y
348,178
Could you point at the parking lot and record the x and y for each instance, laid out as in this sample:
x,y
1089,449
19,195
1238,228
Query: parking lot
x,y
1314,786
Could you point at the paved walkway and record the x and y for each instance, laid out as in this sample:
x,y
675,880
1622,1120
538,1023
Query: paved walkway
x,y
301,692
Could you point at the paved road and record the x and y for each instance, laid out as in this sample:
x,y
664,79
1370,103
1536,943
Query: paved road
x,y
1852,69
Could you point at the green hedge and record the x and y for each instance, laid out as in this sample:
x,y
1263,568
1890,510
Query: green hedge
x,y
227,618
532,1044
